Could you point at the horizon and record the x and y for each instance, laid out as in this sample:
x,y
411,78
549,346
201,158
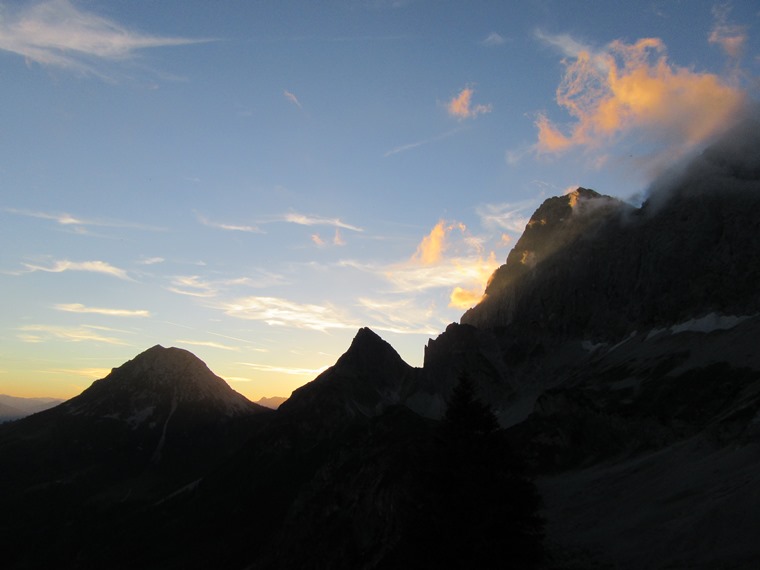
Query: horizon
x,y
255,184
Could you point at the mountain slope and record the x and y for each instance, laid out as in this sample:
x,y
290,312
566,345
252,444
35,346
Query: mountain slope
x,y
633,348
152,426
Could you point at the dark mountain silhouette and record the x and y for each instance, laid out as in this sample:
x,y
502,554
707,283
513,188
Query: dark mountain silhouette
x,y
612,368
152,426
271,402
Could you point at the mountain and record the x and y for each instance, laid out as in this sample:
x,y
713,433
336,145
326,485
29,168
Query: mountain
x,y
149,428
630,335
13,407
366,380
272,402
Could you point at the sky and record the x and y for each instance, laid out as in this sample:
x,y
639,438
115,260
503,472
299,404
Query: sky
x,y
255,181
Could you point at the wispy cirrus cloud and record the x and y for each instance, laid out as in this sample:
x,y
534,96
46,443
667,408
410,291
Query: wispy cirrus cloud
x,y
461,106
230,227
401,316
192,286
730,37
292,98
308,220
289,370
91,373
85,333
151,260
79,308
63,265
277,311
208,344
493,39
634,88
57,33
416,144
197,286
66,219
507,216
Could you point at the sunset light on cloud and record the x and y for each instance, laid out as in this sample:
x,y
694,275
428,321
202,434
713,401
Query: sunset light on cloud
x,y
462,107
634,88
255,183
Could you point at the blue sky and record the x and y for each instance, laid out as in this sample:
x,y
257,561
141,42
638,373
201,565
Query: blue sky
x,y
254,181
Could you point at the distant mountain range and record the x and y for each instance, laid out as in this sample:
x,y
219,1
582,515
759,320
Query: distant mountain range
x,y
13,407
617,349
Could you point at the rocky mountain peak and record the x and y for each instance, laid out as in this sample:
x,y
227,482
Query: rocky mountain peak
x,y
555,227
159,378
365,380
368,347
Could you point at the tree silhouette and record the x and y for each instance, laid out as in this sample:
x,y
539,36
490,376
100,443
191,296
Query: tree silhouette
x,y
476,509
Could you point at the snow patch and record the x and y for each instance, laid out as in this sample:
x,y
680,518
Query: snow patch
x,y
138,417
159,448
590,346
709,323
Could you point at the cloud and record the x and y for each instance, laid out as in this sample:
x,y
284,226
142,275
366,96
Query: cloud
x,y
208,344
66,219
318,241
151,260
192,286
461,106
493,39
431,266
430,249
41,333
410,146
79,308
402,316
58,34
289,370
465,298
627,88
731,37
512,217
304,220
282,312
195,286
92,373
89,266
292,98
230,227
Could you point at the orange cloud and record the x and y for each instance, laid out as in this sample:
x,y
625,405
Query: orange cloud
x,y
465,298
432,245
447,259
461,106
631,87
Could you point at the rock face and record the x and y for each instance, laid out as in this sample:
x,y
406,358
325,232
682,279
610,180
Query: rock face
x,y
366,380
618,269
139,391
630,336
